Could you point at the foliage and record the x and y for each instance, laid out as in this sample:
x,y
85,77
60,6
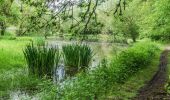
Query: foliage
x,y
133,59
152,17
160,22
98,82
77,56
41,60
8,14
126,26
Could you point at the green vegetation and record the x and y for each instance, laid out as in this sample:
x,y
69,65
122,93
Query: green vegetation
x,y
39,42
96,84
160,22
13,71
131,86
136,60
41,59
77,57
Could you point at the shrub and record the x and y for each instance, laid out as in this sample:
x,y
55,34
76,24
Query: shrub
x,y
41,60
96,83
133,59
77,56
127,26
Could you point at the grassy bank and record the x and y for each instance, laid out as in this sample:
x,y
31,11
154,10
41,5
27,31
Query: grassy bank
x,y
130,88
11,62
13,71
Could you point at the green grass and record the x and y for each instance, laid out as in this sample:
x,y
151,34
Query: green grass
x,y
77,56
130,88
11,61
13,71
11,54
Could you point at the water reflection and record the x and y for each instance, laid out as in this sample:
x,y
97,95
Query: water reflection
x,y
21,95
59,73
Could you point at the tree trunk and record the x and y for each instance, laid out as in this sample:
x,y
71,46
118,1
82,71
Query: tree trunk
x,y
3,28
134,39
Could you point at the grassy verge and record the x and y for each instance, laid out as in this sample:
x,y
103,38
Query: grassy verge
x,y
130,88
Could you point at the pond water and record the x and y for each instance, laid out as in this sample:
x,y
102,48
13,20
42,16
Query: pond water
x,y
21,95
101,50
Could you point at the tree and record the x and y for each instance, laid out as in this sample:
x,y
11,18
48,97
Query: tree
x,y
49,13
126,26
51,16
7,15
132,30
160,23
2,25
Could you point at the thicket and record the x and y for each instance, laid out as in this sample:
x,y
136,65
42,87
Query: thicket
x,y
152,18
99,82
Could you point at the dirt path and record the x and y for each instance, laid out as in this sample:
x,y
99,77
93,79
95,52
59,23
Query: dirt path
x,y
154,89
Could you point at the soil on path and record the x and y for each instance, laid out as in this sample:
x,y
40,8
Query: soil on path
x,y
155,88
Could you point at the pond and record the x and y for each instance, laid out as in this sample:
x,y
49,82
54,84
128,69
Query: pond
x,y
101,50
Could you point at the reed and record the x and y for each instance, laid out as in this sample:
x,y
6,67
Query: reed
x,y
77,56
41,60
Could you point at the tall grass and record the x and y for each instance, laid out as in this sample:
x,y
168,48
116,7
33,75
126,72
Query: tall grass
x,y
41,60
77,56
86,55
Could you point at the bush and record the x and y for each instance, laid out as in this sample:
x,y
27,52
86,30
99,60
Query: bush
x,y
127,26
41,60
133,59
77,56
96,83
